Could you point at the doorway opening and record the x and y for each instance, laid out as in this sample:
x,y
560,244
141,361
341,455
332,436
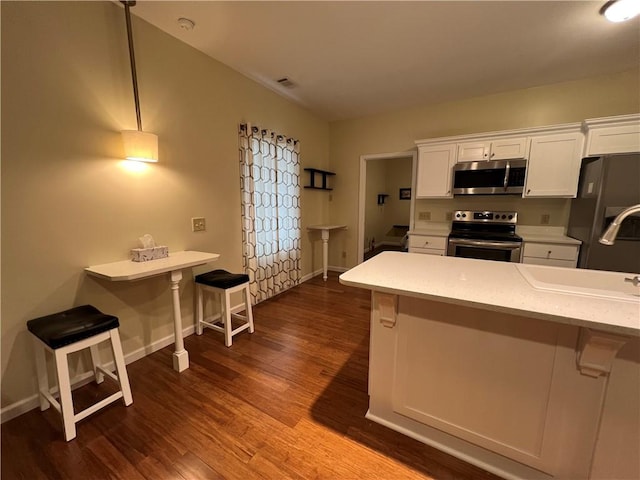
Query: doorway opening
x,y
386,202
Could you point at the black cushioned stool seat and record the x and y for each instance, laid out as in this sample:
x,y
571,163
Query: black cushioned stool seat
x,y
70,326
222,279
70,331
223,284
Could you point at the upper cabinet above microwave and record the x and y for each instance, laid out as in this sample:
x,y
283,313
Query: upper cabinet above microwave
x,y
552,155
503,149
619,134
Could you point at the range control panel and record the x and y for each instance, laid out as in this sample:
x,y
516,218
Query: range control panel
x,y
485,216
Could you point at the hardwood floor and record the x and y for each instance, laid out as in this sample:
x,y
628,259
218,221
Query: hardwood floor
x,y
286,402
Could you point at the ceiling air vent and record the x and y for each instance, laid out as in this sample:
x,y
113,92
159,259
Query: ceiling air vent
x,y
285,82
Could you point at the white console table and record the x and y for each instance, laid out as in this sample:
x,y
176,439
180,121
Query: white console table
x,y
325,229
128,270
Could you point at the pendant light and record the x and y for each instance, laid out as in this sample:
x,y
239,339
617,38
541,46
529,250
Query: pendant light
x,y
138,145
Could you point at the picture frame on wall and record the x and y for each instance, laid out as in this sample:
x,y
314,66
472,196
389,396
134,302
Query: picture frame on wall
x,y
405,194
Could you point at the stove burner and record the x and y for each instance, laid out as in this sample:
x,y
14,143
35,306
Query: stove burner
x,y
485,225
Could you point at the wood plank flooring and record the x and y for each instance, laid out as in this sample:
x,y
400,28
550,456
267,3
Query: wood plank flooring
x,y
286,402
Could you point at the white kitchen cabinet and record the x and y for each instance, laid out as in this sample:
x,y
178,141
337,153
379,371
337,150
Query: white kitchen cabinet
x,y
553,167
433,176
550,254
612,135
501,149
473,151
427,244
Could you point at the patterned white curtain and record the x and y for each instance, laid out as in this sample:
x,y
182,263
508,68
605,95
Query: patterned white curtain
x,y
270,183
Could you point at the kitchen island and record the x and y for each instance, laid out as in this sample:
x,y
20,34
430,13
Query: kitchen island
x,y
521,372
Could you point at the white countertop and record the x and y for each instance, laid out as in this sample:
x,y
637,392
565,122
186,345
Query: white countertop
x,y
435,231
488,285
129,270
325,227
545,235
528,234
548,238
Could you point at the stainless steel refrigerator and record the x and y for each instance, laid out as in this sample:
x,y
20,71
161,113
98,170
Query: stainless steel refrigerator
x,y
608,185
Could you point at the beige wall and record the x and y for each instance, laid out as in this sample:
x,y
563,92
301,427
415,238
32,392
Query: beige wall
x,y
397,212
374,214
67,201
386,176
614,94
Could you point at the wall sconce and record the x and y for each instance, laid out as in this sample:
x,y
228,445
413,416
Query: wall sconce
x,y
621,10
138,145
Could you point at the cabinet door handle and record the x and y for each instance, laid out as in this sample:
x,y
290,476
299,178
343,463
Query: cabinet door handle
x,y
426,243
528,191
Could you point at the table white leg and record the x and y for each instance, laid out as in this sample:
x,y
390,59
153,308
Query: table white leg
x,y
180,356
325,253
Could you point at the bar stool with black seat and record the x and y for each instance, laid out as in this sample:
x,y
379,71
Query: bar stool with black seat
x,y
223,284
70,331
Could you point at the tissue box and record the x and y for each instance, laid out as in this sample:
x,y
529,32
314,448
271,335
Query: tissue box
x,y
146,254
160,252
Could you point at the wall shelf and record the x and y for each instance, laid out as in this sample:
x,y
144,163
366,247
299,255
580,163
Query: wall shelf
x,y
312,178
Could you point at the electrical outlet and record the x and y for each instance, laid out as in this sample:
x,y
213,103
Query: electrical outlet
x,y
198,224
448,216
544,219
424,216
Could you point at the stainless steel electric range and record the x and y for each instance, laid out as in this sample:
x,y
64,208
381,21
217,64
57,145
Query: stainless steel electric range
x,y
485,235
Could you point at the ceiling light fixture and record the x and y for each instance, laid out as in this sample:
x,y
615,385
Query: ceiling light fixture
x,y
138,145
621,10
186,24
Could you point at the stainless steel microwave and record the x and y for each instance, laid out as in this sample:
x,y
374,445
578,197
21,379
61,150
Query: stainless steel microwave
x,y
497,177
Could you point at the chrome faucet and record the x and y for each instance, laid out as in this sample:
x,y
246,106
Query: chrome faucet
x,y
610,234
635,280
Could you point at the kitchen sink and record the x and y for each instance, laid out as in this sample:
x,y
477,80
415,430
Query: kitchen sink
x,y
577,281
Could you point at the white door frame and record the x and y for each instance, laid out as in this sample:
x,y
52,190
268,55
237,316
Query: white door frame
x,y
413,154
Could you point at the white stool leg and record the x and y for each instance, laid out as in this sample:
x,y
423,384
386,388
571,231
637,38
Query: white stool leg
x,y
228,326
43,375
66,401
247,304
95,359
199,309
121,369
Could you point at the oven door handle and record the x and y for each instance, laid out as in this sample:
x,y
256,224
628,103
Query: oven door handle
x,y
483,243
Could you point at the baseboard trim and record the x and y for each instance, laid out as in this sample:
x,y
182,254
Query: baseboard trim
x,y
337,269
309,276
316,273
25,405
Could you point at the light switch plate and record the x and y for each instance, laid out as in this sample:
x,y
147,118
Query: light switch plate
x,y
198,224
